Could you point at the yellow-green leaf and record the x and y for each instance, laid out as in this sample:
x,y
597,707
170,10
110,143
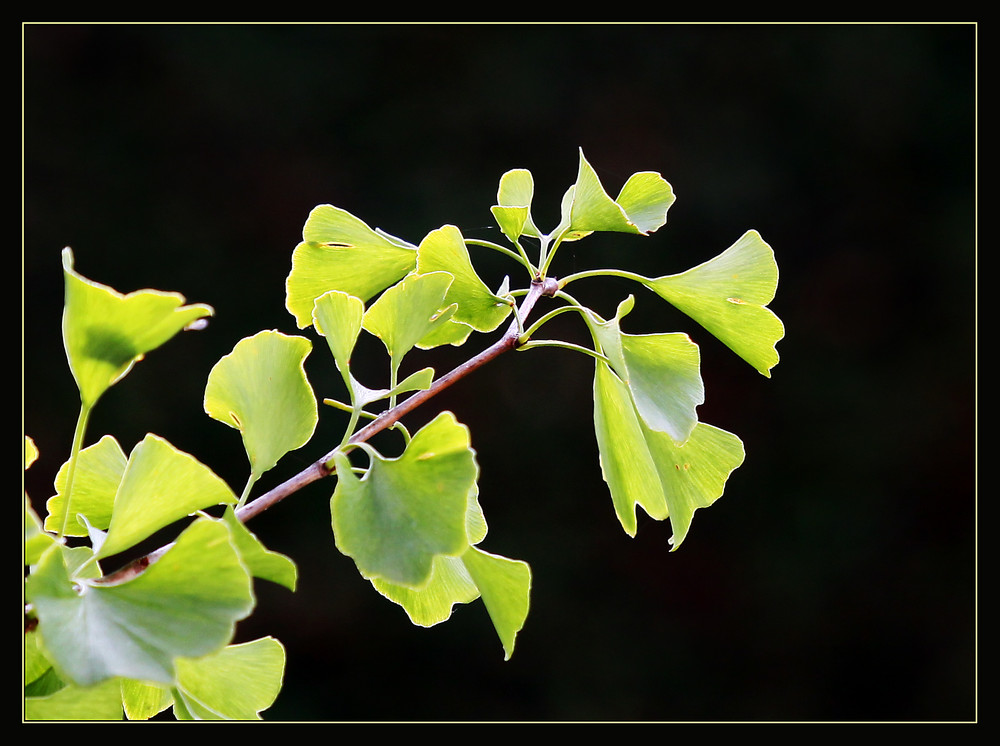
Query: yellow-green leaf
x,y
728,295
261,389
105,333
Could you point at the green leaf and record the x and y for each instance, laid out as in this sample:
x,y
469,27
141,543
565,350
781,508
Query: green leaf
x,y
505,585
449,582
185,604
105,333
237,683
261,389
443,250
142,700
694,473
338,316
99,471
160,485
662,372
641,206
405,511
260,561
648,468
728,296
626,463
340,252
102,701
409,311
513,209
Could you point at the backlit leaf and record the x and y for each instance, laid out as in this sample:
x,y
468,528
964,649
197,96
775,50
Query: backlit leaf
x,y
641,206
105,333
340,252
261,389
186,603
99,470
236,683
444,250
160,485
513,209
728,296
407,510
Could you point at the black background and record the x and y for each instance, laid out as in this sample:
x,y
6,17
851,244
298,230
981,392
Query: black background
x,y
835,578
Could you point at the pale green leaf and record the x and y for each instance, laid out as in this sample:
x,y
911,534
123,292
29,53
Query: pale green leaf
x,y
513,209
449,582
261,389
99,470
626,463
693,474
641,206
102,701
662,372
407,510
444,250
648,468
36,540
186,603
337,316
160,485
409,311
105,333
236,683
728,296
340,252
260,561
505,585
143,700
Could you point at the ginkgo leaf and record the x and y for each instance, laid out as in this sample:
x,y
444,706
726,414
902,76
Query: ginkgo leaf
x,y
407,510
160,485
337,316
641,206
236,683
449,583
505,585
99,470
105,333
261,389
647,468
626,464
693,474
513,209
728,296
185,604
259,560
75,703
409,311
661,371
340,252
443,250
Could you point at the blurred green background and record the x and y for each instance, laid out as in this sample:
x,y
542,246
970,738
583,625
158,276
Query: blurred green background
x,y
835,578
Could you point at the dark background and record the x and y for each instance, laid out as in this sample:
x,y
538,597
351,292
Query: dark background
x,y
835,578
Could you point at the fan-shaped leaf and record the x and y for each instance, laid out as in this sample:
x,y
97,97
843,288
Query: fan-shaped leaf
x,y
340,252
160,485
261,389
641,206
443,250
728,296
184,604
105,333
407,510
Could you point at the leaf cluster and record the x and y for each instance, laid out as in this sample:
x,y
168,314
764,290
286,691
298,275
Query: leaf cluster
x,y
157,633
